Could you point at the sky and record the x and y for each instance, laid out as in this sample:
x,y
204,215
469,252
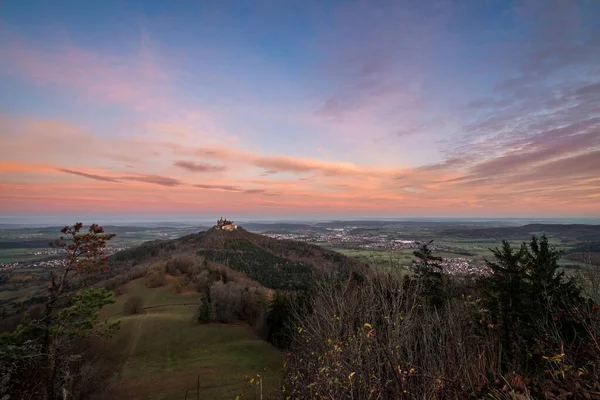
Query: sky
x,y
300,109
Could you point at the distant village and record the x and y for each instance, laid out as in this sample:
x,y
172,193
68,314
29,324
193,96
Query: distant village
x,y
52,258
347,238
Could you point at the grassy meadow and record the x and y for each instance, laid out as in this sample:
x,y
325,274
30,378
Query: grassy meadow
x,y
165,351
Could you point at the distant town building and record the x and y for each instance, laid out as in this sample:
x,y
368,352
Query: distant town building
x,y
225,225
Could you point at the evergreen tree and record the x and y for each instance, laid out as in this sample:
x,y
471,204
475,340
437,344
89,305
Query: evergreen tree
x,y
430,276
524,288
550,290
278,320
506,290
204,309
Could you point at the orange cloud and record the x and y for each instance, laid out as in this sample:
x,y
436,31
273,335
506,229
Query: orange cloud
x,y
54,165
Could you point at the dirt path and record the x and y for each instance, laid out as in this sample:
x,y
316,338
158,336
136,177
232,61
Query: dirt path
x,y
135,339
136,336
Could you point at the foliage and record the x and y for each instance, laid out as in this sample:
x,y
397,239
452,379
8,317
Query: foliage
x,y
203,315
280,319
49,346
525,286
430,277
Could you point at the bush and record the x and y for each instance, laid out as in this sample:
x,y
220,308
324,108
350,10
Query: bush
x,y
155,277
203,281
378,339
133,305
179,284
179,265
232,301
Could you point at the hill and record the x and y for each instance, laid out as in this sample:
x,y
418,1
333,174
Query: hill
x,y
569,232
276,264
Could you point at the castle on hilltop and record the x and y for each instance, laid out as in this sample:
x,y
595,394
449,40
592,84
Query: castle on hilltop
x,y
226,225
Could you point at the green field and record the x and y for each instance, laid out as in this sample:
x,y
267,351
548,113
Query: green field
x,y
379,258
20,255
165,351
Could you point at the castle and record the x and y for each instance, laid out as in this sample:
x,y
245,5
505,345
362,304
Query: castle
x,y
225,225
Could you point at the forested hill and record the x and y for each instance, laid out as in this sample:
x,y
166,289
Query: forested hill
x,y
276,264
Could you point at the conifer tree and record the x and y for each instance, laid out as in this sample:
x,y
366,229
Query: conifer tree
x,y
430,276
524,288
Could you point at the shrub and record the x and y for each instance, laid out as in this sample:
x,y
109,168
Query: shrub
x,y
179,265
133,305
378,339
155,277
178,286
203,281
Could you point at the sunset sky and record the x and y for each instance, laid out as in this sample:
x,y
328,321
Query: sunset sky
x,y
300,109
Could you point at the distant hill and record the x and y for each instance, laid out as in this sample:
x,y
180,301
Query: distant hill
x,y
276,227
579,232
276,264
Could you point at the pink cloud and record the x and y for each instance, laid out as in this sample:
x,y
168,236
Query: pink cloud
x,y
137,82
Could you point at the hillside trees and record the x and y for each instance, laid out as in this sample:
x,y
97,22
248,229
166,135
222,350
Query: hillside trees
x,y
45,347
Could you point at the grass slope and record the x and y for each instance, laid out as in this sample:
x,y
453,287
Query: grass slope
x,y
166,351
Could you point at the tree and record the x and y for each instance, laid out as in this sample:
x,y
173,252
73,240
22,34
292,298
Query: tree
x,y
549,286
155,277
84,258
506,290
133,305
430,276
524,289
279,329
46,346
203,315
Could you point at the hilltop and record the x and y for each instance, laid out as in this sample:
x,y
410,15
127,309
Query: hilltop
x,y
274,263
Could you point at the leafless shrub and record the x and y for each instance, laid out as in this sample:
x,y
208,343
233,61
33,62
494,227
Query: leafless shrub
x,y
180,265
589,279
233,301
377,340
